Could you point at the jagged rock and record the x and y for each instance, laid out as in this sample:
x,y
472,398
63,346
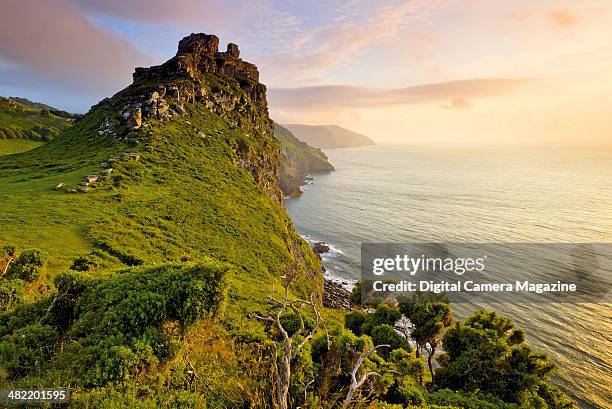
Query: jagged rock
x,y
232,50
135,120
320,248
59,186
335,296
199,43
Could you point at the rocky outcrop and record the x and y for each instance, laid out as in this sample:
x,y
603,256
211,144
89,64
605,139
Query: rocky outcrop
x,y
200,75
198,54
335,296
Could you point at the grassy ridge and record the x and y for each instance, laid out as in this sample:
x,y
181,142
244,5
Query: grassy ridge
x,y
25,120
185,199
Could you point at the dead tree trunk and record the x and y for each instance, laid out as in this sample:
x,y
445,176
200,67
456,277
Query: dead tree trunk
x,y
287,347
355,383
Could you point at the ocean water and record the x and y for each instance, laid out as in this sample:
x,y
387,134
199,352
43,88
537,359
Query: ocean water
x,y
395,193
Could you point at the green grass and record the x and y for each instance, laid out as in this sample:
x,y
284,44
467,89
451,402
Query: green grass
x,y
10,146
20,120
187,198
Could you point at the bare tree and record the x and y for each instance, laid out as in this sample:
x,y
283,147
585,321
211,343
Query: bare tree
x,y
288,346
357,383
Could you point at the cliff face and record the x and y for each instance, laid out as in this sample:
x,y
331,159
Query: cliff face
x,y
297,160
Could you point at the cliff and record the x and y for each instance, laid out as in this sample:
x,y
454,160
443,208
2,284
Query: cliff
x,y
297,160
161,216
328,136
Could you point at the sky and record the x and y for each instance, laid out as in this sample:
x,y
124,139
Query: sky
x,y
439,71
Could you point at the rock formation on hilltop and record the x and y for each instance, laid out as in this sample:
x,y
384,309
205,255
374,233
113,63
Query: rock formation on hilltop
x,y
221,82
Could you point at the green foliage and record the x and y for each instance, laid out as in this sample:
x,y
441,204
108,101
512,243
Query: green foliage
x,y
353,321
411,394
12,293
28,349
484,354
26,120
447,397
355,297
28,265
385,334
114,322
384,314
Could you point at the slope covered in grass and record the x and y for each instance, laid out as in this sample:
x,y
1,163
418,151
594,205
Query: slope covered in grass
x,y
297,160
197,185
22,119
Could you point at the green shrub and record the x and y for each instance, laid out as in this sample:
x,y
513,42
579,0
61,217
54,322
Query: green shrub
x,y
384,334
28,349
28,265
12,293
411,394
353,321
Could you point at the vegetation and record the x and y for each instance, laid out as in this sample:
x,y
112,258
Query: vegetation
x,y
23,119
177,280
297,160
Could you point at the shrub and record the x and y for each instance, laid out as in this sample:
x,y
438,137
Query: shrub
x,y
384,334
28,349
353,321
27,266
12,293
411,394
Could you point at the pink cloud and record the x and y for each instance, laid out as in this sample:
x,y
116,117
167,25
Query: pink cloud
x,y
562,19
52,39
324,97
458,104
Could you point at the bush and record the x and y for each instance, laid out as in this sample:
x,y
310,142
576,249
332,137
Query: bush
x,y
28,349
353,321
385,335
12,293
27,266
384,314
411,394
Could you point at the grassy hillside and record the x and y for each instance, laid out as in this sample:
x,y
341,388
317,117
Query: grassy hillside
x,y
297,160
23,119
191,188
328,136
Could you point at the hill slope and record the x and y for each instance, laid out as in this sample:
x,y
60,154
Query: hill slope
x,y
24,119
297,160
328,136
182,178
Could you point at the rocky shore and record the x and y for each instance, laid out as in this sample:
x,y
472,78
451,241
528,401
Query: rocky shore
x,y
334,295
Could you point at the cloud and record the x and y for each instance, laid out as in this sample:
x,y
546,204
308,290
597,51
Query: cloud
x,y
326,46
180,12
457,104
562,19
54,41
306,98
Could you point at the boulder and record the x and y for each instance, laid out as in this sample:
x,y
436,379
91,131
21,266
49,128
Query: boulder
x,y
199,44
135,120
59,186
232,50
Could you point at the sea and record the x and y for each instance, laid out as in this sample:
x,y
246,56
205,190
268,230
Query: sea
x,y
432,194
